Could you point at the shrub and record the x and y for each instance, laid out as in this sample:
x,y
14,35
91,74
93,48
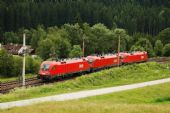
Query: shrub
x,y
17,70
76,51
6,63
158,48
166,50
164,36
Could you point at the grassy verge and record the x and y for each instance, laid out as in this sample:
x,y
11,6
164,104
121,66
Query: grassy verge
x,y
7,79
151,99
106,78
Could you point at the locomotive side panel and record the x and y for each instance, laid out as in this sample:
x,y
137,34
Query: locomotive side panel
x,y
75,67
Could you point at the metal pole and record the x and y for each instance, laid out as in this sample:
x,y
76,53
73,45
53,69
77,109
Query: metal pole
x,y
118,50
83,46
23,69
146,45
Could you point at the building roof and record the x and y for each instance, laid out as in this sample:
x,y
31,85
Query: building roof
x,y
16,49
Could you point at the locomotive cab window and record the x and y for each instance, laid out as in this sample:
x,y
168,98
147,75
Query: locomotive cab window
x,y
45,67
90,60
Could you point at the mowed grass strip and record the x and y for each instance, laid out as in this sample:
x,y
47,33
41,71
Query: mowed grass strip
x,y
151,99
111,77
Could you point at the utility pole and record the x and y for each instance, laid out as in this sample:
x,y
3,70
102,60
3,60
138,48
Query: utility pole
x,y
23,69
118,50
146,45
83,46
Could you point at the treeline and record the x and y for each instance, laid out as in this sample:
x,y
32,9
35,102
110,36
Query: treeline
x,y
67,40
145,16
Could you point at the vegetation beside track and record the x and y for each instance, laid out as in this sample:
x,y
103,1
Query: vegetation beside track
x,y
112,77
7,79
151,99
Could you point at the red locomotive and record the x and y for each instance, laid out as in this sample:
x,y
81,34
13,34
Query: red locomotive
x,y
133,57
51,69
102,61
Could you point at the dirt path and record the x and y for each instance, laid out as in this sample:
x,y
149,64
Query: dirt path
x,y
81,94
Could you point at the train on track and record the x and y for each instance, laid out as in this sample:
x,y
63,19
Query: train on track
x,y
52,69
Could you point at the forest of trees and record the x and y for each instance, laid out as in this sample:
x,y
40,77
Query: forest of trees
x,y
145,16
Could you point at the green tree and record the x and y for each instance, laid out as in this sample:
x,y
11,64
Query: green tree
x,y
17,70
37,35
137,48
11,37
29,64
6,63
143,44
125,39
90,39
164,36
43,49
36,64
166,50
61,43
75,33
158,48
76,51
102,37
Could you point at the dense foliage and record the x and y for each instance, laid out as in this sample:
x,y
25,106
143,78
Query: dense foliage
x,y
166,50
76,51
58,42
98,39
12,65
146,16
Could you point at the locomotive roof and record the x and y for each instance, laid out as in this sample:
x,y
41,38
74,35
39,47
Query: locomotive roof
x,y
132,53
64,61
73,60
99,57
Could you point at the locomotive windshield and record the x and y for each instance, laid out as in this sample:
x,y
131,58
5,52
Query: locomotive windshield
x,y
45,67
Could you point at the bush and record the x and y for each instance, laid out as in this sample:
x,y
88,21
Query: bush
x,y
76,51
164,36
158,48
12,65
36,64
166,50
32,64
143,44
17,69
6,63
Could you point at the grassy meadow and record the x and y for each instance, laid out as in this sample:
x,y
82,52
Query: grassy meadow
x,y
110,77
151,99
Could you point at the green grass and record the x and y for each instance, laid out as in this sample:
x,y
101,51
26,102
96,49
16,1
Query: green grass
x,y
106,78
7,79
151,99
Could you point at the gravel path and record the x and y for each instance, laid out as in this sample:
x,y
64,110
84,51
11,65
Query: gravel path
x,y
81,94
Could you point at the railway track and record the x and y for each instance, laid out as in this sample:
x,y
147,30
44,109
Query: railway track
x,y
160,59
7,86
